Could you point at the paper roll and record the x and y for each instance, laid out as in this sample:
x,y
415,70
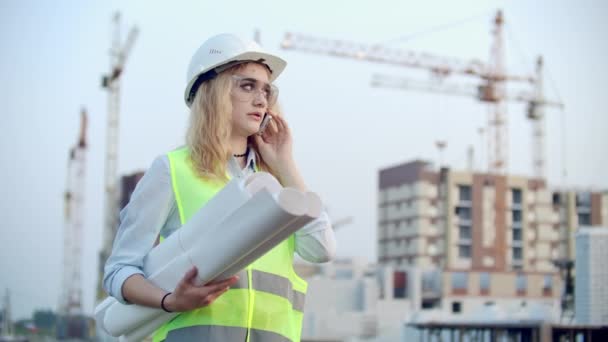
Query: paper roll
x,y
238,228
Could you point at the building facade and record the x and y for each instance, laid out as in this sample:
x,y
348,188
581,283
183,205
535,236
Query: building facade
x,y
591,292
477,235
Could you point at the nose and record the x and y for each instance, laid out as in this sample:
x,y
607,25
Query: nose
x,y
259,99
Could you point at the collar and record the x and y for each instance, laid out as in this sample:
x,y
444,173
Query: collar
x,y
251,162
234,168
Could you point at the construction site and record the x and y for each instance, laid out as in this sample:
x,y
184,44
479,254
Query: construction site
x,y
465,247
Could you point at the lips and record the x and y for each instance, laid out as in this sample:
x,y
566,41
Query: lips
x,y
256,115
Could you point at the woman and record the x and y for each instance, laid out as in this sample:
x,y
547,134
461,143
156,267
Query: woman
x,y
229,91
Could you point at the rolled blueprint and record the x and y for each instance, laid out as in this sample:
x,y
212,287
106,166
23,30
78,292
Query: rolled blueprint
x,y
314,210
232,196
214,211
255,215
219,249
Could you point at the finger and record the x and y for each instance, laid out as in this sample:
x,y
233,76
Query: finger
x,y
259,139
286,125
281,131
272,126
208,290
213,296
224,282
210,298
191,274
219,287
267,135
282,123
188,277
217,292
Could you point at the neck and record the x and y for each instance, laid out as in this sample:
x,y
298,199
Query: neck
x,y
238,145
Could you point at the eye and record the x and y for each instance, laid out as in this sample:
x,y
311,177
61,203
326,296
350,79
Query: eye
x,y
247,86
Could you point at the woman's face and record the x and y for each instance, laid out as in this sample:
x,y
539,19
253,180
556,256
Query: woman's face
x,y
250,95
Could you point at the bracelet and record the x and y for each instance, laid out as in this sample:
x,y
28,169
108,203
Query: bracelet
x,y
162,302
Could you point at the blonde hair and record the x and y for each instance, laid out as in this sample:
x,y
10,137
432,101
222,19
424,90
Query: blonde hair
x,y
210,127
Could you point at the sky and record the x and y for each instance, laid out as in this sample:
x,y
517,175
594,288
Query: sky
x,y
54,54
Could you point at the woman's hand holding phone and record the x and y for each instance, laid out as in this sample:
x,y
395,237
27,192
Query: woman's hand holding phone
x,y
275,142
275,146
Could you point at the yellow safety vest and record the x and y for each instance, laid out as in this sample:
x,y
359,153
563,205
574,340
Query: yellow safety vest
x,y
267,302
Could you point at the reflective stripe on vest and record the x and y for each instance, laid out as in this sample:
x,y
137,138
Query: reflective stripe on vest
x,y
219,333
274,284
268,299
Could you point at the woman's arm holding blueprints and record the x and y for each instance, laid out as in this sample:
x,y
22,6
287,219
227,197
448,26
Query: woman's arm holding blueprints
x,y
186,296
151,204
140,222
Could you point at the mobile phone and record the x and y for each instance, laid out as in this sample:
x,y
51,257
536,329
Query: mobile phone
x,y
265,121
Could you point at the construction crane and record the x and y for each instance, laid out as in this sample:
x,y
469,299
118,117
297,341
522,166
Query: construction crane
x,y
111,82
492,75
71,286
7,323
535,101
70,300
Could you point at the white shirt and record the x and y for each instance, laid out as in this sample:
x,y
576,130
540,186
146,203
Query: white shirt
x,y
152,208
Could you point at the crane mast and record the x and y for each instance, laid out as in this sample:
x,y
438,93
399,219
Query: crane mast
x,y
497,118
70,302
111,82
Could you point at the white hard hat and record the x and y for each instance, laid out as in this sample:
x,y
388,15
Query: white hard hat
x,y
221,51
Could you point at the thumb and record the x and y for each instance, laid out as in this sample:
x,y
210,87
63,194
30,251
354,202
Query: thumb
x,y
186,280
190,275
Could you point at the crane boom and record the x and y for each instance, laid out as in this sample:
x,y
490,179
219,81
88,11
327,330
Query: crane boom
x,y
442,66
535,100
492,75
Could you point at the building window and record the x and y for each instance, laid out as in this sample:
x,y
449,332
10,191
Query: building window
x,y
399,284
584,219
463,213
547,284
516,216
521,283
548,281
556,198
464,193
484,282
516,228
460,282
431,282
517,234
464,232
429,303
456,307
464,251
583,199
516,197
517,253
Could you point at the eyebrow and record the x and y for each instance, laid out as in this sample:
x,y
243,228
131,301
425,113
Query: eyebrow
x,y
246,78
250,79
266,85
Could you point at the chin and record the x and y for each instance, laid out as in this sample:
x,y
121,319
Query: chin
x,y
247,130
252,130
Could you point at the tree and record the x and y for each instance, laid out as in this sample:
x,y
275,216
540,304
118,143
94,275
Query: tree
x,y
45,320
